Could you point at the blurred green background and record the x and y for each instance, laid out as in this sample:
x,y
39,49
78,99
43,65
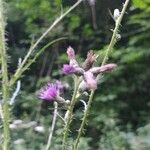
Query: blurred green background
x,y
120,113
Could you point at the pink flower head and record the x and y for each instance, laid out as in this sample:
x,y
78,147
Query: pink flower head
x,y
49,92
70,52
68,69
90,80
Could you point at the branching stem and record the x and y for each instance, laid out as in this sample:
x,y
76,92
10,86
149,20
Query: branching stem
x,y
70,111
110,47
83,121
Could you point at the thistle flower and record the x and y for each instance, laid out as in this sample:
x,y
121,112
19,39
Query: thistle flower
x,y
87,70
48,92
51,92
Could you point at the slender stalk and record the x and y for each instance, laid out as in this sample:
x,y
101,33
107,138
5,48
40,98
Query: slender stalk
x,y
18,71
74,147
27,65
52,127
5,87
69,112
110,47
115,32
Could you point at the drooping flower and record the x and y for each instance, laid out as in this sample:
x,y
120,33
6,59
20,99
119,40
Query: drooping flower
x,y
86,70
51,92
48,92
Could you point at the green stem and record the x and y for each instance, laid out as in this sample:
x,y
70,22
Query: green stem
x,y
110,47
5,87
53,126
115,32
69,112
29,63
75,146
19,70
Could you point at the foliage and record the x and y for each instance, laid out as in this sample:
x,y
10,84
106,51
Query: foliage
x,y
120,112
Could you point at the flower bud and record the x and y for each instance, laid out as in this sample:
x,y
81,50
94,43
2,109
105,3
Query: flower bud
x,y
60,100
116,14
104,68
70,52
91,58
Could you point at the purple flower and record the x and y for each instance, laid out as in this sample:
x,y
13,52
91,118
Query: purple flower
x,y
50,91
86,70
68,69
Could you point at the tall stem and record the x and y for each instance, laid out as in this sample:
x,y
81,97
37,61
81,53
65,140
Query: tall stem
x,y
69,112
19,70
115,32
83,121
53,126
5,87
110,47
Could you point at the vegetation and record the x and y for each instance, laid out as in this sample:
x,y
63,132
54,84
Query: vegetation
x,y
119,114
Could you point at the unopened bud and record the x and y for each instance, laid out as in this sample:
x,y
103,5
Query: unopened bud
x,y
116,14
70,52
104,68
91,58
118,37
60,100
